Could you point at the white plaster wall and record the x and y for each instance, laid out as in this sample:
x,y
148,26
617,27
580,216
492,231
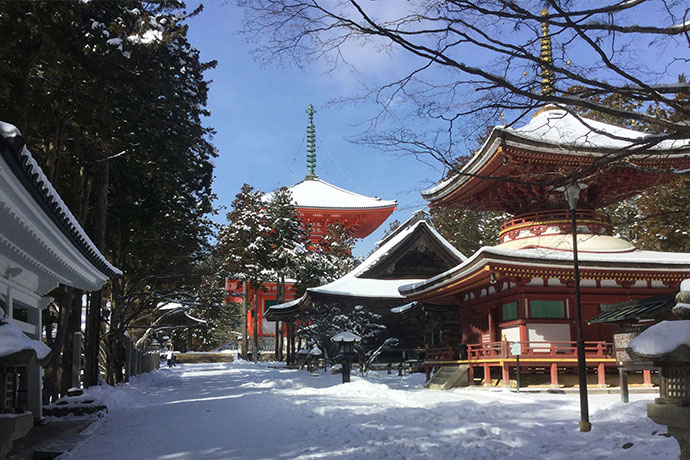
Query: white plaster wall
x,y
548,333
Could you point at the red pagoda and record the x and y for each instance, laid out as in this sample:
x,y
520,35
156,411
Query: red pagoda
x,y
521,291
319,205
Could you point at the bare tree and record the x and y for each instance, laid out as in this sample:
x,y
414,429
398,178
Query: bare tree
x,y
467,64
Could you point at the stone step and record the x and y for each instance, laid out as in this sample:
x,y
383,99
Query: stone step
x,y
449,377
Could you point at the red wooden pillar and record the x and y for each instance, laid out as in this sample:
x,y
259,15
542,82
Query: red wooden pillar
x,y
554,375
492,325
427,371
601,375
505,370
470,374
647,378
487,375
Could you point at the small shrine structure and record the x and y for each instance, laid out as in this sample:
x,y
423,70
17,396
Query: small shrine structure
x,y
319,205
41,246
522,290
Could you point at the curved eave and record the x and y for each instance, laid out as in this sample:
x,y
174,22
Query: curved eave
x,y
31,202
344,298
488,160
316,193
476,271
286,310
365,220
390,204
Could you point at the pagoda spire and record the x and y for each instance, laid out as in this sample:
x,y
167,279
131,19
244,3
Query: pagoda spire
x,y
548,79
311,145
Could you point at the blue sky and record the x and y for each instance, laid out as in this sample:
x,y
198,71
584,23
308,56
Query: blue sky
x,y
259,114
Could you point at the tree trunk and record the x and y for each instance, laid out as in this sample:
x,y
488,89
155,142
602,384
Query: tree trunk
x,y
93,317
93,335
50,384
276,345
255,323
245,303
73,325
279,335
116,339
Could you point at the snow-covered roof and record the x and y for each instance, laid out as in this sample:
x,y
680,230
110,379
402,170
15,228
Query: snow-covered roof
x,y
353,285
13,340
404,308
345,336
662,339
34,181
561,127
546,257
166,306
564,242
319,194
287,305
556,130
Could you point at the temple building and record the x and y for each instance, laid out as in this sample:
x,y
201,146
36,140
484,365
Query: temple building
x,y
319,205
413,252
522,290
41,247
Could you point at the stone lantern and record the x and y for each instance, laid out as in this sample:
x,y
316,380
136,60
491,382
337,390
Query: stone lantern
x,y
346,341
314,356
667,345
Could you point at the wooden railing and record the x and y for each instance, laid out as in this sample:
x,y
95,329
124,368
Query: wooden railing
x,y
558,214
546,350
537,350
439,354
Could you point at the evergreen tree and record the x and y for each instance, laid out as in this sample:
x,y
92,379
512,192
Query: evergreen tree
x,y
321,322
392,227
328,261
244,245
467,230
245,240
288,240
128,151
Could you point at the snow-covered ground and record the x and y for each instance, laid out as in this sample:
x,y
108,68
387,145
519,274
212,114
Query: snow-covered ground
x,y
246,411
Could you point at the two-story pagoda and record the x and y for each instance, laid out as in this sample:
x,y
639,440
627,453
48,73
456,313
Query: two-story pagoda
x,y
522,289
319,205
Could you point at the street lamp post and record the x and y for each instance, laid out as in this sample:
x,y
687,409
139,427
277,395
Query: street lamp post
x,y
572,195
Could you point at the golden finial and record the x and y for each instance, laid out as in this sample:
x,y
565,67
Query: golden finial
x,y
548,80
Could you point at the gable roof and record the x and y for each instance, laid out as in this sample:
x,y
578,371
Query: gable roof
x,y
358,286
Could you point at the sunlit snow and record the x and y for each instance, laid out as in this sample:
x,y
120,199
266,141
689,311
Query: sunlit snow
x,y
246,411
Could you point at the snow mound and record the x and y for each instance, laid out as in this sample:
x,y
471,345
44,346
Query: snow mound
x,y
13,340
685,285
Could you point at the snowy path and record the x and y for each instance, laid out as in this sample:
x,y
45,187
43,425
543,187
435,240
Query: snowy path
x,y
243,411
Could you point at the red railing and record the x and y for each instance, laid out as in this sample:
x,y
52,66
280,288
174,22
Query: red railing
x,y
558,214
544,355
545,350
